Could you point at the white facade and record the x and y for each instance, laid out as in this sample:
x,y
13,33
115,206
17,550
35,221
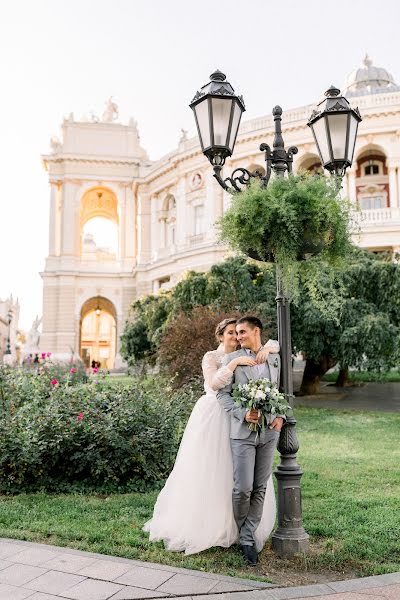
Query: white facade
x,y
165,210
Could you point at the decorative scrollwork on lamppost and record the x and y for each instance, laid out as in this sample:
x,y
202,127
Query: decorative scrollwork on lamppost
x,y
218,110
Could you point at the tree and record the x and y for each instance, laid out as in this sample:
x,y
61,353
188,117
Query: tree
x,y
187,337
233,285
365,333
142,332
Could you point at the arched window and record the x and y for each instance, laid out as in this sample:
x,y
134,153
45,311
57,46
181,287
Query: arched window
x,y
99,239
168,221
372,180
99,224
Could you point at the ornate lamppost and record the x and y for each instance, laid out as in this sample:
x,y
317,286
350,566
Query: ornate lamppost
x,y
218,110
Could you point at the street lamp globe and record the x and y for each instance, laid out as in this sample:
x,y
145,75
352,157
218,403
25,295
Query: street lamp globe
x,y
217,111
334,125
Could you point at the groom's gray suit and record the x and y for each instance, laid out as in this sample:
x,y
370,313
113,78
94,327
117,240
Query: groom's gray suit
x,y
252,453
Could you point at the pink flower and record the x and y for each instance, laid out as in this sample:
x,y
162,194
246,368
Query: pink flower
x,y
54,381
43,354
48,354
95,370
72,370
80,416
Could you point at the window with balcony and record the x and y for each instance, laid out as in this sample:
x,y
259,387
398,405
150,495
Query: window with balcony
x,y
372,202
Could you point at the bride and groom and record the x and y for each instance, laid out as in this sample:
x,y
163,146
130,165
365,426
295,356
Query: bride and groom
x,y
220,490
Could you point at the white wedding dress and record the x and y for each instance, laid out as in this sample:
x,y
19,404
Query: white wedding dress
x,y
194,511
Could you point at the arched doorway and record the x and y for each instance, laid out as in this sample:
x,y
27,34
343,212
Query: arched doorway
x,y
98,333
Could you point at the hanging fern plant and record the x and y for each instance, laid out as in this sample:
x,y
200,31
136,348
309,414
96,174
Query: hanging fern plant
x,y
291,221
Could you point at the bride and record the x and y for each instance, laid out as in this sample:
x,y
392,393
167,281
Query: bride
x,y
194,510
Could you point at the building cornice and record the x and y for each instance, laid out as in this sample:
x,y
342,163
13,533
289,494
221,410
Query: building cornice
x,y
85,158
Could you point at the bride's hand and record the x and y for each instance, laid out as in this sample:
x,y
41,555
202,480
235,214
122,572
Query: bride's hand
x,y
241,361
262,356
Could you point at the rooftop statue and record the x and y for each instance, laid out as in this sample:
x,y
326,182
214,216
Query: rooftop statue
x,y
111,113
55,144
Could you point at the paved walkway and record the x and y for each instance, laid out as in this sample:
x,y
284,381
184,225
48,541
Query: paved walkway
x,y
383,397
41,572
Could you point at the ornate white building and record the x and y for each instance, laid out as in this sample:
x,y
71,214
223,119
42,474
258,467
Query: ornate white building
x,y
164,211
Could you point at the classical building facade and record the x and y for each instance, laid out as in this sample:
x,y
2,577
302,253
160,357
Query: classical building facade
x,y
164,211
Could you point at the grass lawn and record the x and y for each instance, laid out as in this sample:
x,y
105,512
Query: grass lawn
x,y
351,507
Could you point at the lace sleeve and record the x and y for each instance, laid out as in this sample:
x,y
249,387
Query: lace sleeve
x,y
215,377
273,346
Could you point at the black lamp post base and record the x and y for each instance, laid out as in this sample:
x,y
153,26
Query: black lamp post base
x,y
290,538
288,543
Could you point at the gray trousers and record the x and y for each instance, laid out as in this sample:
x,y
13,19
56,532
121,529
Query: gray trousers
x,y
252,466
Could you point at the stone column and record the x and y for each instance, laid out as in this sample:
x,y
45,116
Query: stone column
x,y
393,193
130,224
351,182
122,224
156,239
53,219
58,219
182,210
398,187
144,228
68,221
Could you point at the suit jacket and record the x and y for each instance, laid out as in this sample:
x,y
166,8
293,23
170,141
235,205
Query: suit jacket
x,y
239,427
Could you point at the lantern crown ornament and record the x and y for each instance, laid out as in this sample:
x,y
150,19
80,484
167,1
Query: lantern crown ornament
x,y
334,125
217,111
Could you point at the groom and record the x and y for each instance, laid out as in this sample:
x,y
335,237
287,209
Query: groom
x,y
252,452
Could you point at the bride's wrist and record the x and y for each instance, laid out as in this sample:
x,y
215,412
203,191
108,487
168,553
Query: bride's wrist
x,y
232,365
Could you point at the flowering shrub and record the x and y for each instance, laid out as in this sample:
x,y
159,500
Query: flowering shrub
x,y
87,435
70,374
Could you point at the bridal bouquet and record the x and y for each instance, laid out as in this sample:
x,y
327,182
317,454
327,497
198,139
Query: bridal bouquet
x,y
261,395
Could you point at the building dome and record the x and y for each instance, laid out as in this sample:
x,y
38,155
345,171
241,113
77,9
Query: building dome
x,y
369,79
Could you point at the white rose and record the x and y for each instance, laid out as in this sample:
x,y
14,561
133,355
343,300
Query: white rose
x,y
259,395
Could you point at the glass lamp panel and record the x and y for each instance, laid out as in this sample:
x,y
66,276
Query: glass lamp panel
x,y
203,123
338,129
322,140
352,137
221,113
237,113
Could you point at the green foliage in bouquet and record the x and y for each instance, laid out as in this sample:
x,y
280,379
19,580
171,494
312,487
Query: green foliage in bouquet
x,y
261,395
293,219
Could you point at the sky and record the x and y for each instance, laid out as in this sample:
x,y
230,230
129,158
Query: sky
x,y
151,56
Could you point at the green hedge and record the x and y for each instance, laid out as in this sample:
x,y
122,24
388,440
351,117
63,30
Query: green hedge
x,y
87,435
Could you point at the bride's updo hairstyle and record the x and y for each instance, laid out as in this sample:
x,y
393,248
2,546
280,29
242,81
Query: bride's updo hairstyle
x,y
220,328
